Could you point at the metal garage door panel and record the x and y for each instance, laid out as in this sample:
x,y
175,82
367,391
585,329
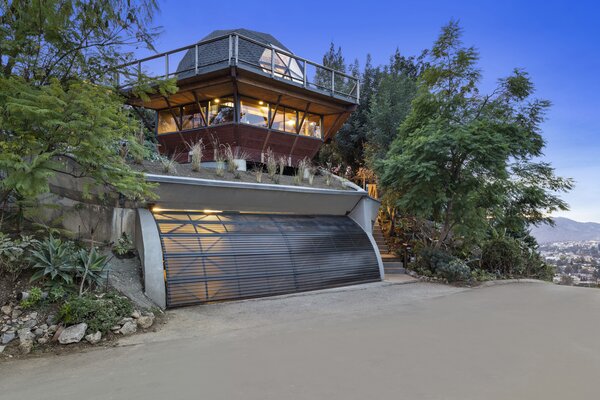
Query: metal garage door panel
x,y
212,257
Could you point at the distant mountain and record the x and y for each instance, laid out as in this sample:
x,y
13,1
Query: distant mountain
x,y
566,230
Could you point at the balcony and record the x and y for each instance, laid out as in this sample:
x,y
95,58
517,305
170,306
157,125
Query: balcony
x,y
244,53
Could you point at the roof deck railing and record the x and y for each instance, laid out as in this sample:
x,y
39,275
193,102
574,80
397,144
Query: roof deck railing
x,y
242,52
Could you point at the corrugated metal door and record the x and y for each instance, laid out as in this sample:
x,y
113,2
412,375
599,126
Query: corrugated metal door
x,y
224,256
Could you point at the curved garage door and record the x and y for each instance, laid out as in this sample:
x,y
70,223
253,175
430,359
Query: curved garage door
x,y
224,256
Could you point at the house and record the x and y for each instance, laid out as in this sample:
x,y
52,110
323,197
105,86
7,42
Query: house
x,y
207,240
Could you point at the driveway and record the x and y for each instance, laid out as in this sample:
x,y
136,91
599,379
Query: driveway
x,y
417,341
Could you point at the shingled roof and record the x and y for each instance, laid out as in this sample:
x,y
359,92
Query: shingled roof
x,y
215,54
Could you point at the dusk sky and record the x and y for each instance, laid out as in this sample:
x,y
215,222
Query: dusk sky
x,y
558,43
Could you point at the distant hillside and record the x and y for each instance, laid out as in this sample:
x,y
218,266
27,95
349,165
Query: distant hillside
x,y
566,230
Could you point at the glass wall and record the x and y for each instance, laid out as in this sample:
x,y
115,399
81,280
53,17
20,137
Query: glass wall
x,y
193,116
221,111
166,122
252,112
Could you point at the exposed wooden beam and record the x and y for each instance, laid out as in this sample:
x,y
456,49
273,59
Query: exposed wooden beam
x,y
199,108
303,118
332,125
177,120
274,112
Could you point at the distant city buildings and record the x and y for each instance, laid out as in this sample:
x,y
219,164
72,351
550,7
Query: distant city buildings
x,y
577,262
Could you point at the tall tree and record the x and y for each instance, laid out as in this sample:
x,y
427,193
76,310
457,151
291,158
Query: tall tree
x,y
462,157
55,111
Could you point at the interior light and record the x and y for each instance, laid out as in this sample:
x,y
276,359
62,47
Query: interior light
x,y
217,101
290,122
211,211
261,102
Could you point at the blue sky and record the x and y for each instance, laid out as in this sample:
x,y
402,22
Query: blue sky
x,y
558,43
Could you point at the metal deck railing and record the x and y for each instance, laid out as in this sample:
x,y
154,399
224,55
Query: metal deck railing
x,y
243,52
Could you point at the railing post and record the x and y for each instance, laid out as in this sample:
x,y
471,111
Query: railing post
x,y
304,74
196,58
167,66
332,82
237,40
230,49
272,62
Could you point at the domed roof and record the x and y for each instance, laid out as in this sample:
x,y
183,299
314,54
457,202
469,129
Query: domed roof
x,y
216,53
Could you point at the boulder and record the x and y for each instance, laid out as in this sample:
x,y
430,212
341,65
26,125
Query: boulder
x,y
128,328
29,324
2,349
125,320
135,314
6,310
73,334
42,340
94,338
52,328
25,334
16,313
25,345
39,332
145,321
8,337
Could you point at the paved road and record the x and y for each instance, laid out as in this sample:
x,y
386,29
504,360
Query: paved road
x,y
418,341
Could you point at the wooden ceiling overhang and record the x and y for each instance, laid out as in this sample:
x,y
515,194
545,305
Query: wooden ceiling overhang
x,y
241,82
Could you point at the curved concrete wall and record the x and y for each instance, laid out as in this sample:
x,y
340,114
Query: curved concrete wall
x,y
148,245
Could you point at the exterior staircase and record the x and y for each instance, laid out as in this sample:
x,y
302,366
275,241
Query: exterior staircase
x,y
392,264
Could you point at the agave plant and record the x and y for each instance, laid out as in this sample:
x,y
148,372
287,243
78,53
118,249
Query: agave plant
x,y
53,259
92,268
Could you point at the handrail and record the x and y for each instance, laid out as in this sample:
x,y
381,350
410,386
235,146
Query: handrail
x,y
350,90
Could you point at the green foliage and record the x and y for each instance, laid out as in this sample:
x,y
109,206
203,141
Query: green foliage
x,y
35,297
440,264
57,293
463,159
124,246
502,256
62,263
54,259
13,254
99,312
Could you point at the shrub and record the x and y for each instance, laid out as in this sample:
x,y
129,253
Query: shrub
x,y
281,162
169,165
258,173
441,264
481,275
124,246
34,298
14,254
271,164
196,152
91,267
502,256
99,312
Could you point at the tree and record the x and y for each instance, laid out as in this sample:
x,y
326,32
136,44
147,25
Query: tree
x,y
390,104
461,158
56,110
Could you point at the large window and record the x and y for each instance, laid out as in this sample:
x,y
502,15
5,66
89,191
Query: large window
x,y
193,116
254,112
166,122
221,111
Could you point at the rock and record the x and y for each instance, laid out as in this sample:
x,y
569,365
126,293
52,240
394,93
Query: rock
x,y
125,320
6,310
39,332
5,328
25,334
145,321
128,328
135,314
44,327
72,334
29,324
33,315
52,328
42,340
50,319
16,313
8,337
115,328
2,349
25,345
94,338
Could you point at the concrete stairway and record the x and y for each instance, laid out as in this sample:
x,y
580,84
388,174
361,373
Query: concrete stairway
x,y
392,264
